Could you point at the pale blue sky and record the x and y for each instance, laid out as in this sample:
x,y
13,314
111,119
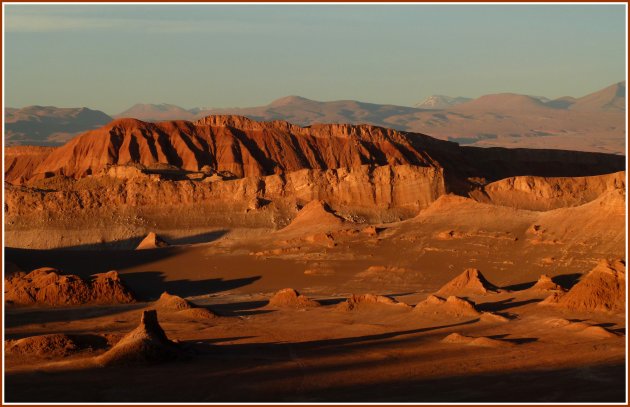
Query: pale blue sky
x,y
109,57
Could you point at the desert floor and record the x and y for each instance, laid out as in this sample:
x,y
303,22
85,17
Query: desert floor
x,y
373,353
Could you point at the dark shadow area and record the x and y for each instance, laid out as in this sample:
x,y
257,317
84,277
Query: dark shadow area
x,y
237,309
85,262
507,315
517,341
519,287
149,285
219,340
332,301
567,280
272,372
89,341
496,163
198,238
337,300
20,316
324,346
564,280
609,325
131,243
504,304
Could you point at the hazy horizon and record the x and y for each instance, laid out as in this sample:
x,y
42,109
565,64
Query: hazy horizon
x,y
110,57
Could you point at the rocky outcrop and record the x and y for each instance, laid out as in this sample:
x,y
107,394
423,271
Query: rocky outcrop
x,y
603,289
470,282
47,286
452,307
314,216
366,187
146,344
173,304
289,298
545,193
482,341
545,283
358,301
20,163
152,241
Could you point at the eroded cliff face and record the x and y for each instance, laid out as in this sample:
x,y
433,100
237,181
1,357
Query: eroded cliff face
x,y
20,162
234,145
364,188
244,148
546,193
231,171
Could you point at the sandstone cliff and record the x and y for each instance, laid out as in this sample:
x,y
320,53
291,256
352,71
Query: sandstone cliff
x,y
545,193
240,147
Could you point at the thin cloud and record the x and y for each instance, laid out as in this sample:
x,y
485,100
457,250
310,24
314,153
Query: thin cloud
x,y
57,23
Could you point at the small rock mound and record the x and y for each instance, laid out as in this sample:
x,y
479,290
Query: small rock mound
x,y
145,344
470,282
316,215
492,317
545,283
169,302
581,328
42,345
452,306
47,286
481,341
152,241
56,345
289,298
603,289
358,301
174,303
107,288
371,231
597,332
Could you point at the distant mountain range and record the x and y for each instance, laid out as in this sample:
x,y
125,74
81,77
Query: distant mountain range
x,y
595,122
441,102
49,125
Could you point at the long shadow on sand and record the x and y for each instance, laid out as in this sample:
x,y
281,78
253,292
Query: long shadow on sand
x,y
235,309
299,372
504,304
565,280
85,262
88,259
19,317
230,383
149,285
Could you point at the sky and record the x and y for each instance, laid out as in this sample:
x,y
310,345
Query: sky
x,y
109,57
